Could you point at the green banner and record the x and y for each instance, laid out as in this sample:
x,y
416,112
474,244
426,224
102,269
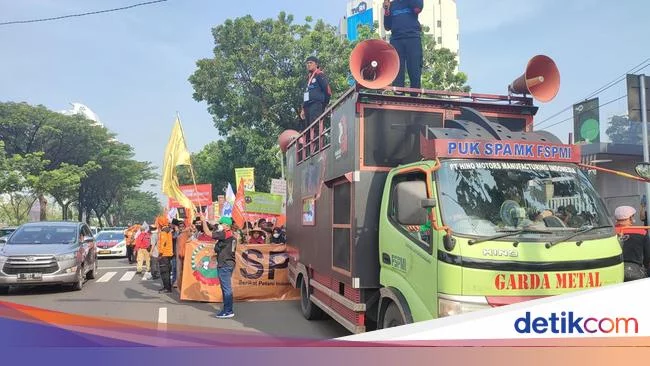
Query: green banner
x,y
259,202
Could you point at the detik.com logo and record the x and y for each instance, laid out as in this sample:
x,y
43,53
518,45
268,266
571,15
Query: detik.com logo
x,y
568,323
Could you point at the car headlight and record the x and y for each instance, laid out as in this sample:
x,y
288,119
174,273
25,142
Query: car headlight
x,y
66,257
120,245
457,305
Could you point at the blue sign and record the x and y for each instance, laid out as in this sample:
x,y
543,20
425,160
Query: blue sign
x,y
361,15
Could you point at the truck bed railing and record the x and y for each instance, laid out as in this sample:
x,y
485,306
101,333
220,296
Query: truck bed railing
x,y
317,136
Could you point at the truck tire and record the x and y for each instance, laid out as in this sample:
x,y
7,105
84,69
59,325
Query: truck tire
x,y
309,310
392,317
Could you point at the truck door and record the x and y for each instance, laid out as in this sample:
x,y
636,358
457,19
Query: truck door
x,y
408,262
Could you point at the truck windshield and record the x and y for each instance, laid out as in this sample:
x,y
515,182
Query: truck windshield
x,y
483,198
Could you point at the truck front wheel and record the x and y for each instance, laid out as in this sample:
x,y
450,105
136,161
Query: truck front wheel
x,y
392,317
309,310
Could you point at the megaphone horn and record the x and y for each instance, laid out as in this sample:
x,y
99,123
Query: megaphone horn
x,y
541,79
374,64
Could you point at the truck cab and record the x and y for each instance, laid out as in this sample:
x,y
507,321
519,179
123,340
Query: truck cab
x,y
474,229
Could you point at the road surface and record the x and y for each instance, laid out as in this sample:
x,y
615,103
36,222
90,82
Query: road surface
x,y
118,292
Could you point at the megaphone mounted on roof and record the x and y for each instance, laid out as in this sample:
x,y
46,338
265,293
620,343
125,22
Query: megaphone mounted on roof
x,y
374,64
541,79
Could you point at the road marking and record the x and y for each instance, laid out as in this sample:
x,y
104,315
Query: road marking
x,y
162,318
106,277
128,276
124,267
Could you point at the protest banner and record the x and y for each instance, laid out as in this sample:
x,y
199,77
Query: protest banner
x,y
260,274
248,175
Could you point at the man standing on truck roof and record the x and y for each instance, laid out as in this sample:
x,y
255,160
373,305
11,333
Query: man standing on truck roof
x,y
317,93
401,19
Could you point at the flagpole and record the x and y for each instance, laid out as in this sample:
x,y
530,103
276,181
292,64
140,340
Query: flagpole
x,y
196,190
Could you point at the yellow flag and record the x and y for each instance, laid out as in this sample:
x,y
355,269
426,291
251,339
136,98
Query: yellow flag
x,y
176,154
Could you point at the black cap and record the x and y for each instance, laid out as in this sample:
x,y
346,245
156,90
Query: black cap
x,y
313,58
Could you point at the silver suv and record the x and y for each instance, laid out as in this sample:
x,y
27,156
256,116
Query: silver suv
x,y
46,253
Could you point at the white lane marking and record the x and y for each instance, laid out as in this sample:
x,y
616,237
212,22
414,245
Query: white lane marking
x,y
124,267
128,276
162,318
106,277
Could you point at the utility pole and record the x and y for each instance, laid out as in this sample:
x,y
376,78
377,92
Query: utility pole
x,y
644,122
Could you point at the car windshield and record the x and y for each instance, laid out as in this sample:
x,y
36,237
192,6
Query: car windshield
x,y
5,232
44,235
484,198
108,236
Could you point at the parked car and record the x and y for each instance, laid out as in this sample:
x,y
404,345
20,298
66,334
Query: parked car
x,y
111,244
46,253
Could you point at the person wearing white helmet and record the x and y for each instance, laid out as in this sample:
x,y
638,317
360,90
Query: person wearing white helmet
x,y
636,245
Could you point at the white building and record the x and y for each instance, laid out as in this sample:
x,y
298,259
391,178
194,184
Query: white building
x,y
439,17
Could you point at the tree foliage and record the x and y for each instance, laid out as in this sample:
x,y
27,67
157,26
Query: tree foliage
x,y
622,131
65,157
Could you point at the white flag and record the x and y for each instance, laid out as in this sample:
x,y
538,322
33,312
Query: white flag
x,y
230,195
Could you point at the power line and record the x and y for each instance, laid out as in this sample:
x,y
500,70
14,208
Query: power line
x,y
588,110
81,14
636,68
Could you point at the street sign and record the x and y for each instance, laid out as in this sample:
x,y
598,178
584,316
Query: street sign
x,y
634,97
586,121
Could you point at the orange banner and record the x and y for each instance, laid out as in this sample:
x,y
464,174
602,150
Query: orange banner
x,y
260,274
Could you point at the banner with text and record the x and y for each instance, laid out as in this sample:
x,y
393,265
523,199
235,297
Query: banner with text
x,y
248,175
260,274
266,203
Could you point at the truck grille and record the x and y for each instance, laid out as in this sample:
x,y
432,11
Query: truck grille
x,y
30,264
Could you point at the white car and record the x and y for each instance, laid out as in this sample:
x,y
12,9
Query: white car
x,y
110,244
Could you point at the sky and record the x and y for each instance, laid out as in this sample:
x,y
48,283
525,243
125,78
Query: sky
x,y
132,67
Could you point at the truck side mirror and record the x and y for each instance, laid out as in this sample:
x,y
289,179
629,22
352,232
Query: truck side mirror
x,y
410,197
643,170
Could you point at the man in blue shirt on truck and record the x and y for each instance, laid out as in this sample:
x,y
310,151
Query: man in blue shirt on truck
x,y
401,19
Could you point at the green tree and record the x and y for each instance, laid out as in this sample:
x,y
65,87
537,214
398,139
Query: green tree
x,y
117,173
622,131
256,76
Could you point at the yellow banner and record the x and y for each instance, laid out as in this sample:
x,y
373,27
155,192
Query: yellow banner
x,y
248,175
261,273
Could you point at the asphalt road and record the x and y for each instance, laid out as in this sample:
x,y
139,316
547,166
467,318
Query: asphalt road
x,y
117,292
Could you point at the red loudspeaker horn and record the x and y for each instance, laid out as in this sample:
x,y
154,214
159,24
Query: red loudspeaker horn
x,y
374,64
541,79
286,138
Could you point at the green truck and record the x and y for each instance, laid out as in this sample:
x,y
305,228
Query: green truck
x,y
407,208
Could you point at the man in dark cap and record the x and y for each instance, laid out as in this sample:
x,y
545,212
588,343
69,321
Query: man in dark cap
x,y
317,94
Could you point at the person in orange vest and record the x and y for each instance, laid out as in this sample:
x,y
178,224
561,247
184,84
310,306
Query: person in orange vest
x,y
636,245
165,252
130,235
